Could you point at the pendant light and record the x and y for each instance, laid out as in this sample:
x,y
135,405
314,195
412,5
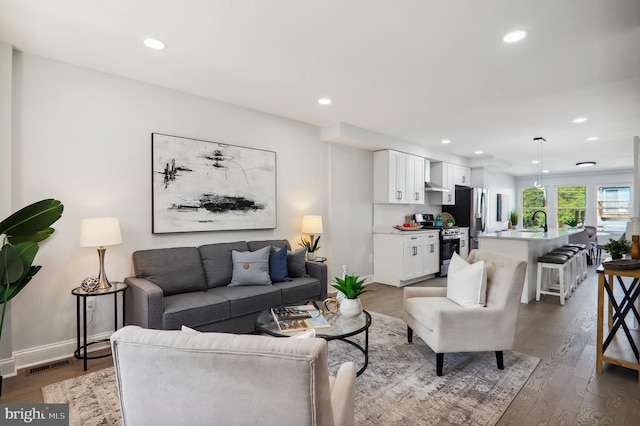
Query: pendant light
x,y
538,182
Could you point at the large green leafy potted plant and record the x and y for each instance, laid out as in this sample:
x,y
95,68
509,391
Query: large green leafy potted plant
x,y
351,287
20,234
617,248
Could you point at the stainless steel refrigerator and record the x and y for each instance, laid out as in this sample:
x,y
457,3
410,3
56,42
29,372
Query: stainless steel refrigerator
x,y
470,211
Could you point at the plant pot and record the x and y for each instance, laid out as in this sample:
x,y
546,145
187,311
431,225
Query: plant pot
x,y
350,307
311,255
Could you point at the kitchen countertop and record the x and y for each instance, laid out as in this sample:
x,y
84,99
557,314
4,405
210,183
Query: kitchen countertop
x,y
531,235
391,230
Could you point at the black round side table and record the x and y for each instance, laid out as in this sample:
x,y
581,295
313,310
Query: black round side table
x,y
82,295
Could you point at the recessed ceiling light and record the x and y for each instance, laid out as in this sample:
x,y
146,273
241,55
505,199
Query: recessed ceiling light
x,y
586,164
478,152
535,161
592,138
445,141
324,101
514,36
545,171
580,120
154,43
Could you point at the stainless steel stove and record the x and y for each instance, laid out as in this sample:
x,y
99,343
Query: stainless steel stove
x,y
449,239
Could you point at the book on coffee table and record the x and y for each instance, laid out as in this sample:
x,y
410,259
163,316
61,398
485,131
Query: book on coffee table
x,y
298,318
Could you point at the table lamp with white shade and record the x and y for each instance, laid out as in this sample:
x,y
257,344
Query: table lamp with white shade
x,y
312,225
100,232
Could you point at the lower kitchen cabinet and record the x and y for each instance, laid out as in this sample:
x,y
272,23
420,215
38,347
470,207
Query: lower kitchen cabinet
x,y
401,259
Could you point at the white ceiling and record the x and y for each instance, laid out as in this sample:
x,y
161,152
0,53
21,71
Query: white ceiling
x,y
416,70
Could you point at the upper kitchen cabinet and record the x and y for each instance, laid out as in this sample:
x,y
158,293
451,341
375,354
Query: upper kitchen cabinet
x,y
398,178
443,174
461,175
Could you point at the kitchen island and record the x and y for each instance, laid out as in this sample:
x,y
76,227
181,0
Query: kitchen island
x,y
527,245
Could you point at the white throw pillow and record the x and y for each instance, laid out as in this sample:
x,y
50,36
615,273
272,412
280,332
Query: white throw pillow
x,y
467,283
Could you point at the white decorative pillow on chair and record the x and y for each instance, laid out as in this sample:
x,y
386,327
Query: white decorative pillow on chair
x,y
467,283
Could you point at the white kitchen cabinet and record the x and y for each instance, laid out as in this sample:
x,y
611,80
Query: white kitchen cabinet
x,y
464,242
461,175
413,257
415,179
443,175
401,259
431,243
398,178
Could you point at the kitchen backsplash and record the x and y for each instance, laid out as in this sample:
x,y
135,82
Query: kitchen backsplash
x,y
387,215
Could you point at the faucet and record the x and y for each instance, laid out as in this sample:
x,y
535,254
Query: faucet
x,y
545,218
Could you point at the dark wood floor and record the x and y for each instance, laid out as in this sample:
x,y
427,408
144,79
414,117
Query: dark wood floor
x,y
563,390
25,387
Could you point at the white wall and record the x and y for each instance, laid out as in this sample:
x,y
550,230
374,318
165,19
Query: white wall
x,y
6,59
84,137
350,215
497,182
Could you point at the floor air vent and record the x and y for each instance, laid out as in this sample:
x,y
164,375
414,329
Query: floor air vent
x,y
49,366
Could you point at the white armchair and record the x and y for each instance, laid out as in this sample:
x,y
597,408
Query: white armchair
x,y
448,327
188,378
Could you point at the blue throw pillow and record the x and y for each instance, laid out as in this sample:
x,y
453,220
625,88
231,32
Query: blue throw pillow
x,y
278,265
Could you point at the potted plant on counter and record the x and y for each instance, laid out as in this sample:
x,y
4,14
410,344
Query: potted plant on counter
x,y
513,218
571,223
351,287
617,248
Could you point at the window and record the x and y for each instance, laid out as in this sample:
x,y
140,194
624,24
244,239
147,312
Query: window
x,y
572,201
613,207
533,199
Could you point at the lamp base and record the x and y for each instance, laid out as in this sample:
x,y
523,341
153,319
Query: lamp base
x,y
103,282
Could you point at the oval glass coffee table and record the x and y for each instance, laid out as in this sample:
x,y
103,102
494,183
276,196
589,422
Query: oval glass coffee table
x,y
340,328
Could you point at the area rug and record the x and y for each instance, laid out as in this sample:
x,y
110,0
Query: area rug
x,y
399,386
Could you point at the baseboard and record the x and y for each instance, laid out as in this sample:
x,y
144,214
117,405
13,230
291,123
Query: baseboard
x,y
49,353
368,279
8,367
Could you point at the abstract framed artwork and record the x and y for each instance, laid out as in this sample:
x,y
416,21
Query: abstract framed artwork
x,y
210,186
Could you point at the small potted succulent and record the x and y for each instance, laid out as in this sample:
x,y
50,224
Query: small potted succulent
x,y
513,218
351,287
311,246
617,248
571,223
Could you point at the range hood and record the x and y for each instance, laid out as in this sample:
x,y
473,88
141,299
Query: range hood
x,y
434,187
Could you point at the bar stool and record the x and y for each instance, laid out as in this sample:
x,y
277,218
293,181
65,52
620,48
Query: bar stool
x,y
582,259
573,276
548,264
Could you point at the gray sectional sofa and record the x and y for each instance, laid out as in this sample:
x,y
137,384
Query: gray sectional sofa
x,y
190,286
